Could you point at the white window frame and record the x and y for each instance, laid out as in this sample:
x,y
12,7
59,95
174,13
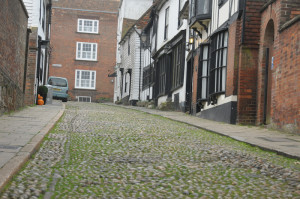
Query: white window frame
x,y
80,52
91,82
95,26
88,97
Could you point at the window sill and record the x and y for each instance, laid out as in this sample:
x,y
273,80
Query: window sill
x,y
90,33
86,60
161,94
177,87
90,89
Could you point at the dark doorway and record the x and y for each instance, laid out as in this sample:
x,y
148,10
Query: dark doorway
x,y
189,87
269,59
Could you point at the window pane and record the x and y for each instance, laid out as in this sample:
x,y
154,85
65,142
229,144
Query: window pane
x,y
220,40
94,51
219,79
216,80
204,68
80,25
95,26
216,63
225,39
88,25
220,58
78,50
206,7
202,7
203,90
88,55
205,52
224,57
223,78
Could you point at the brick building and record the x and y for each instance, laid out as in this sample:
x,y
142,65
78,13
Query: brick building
x,y
278,93
13,53
83,35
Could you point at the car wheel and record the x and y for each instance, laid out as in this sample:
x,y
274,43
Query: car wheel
x,y
64,100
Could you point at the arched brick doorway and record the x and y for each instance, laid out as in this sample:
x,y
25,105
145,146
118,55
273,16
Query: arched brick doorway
x,y
268,67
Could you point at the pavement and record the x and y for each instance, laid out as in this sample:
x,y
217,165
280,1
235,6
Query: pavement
x,y
282,143
21,134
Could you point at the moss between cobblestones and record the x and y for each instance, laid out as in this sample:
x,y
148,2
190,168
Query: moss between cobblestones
x,y
108,152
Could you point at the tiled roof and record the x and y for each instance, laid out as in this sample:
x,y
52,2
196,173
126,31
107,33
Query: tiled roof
x,y
141,23
127,24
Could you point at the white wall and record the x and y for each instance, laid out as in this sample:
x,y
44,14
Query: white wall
x,y
131,9
222,14
132,61
173,31
173,22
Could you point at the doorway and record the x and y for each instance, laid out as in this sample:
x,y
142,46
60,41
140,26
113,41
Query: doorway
x,y
189,87
269,64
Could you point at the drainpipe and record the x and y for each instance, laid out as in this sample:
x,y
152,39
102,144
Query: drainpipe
x,y
266,86
47,55
26,59
244,20
140,69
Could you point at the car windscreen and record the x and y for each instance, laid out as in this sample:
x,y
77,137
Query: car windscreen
x,y
58,82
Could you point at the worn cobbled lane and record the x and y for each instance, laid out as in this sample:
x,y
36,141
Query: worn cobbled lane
x,y
101,151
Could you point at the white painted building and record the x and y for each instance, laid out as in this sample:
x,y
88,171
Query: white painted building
x,y
170,55
130,63
129,10
37,22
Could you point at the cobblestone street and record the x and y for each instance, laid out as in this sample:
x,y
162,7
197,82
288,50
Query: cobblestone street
x,y
101,151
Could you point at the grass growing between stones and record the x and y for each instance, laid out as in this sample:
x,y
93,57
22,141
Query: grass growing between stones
x,y
110,152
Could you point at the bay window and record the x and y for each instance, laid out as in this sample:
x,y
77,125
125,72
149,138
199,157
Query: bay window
x,y
218,62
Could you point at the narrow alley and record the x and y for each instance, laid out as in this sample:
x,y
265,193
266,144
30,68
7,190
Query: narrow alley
x,y
102,151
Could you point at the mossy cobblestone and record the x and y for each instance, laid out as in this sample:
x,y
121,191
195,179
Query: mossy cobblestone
x,y
100,151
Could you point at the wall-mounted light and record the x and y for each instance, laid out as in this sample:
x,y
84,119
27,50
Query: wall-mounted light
x,y
190,43
143,37
191,40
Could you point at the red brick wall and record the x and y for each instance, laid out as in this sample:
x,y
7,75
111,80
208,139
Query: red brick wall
x,y
31,67
13,34
247,72
195,81
233,58
288,10
286,103
63,42
285,91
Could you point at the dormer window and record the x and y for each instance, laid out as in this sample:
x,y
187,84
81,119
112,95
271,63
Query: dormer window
x,y
200,14
200,9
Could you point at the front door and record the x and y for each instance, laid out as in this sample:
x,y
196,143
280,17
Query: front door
x,y
189,87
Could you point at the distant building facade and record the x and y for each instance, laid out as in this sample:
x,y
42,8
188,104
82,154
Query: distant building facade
x,y
83,46
128,13
13,53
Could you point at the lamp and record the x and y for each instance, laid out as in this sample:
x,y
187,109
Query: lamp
x,y
143,37
191,42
